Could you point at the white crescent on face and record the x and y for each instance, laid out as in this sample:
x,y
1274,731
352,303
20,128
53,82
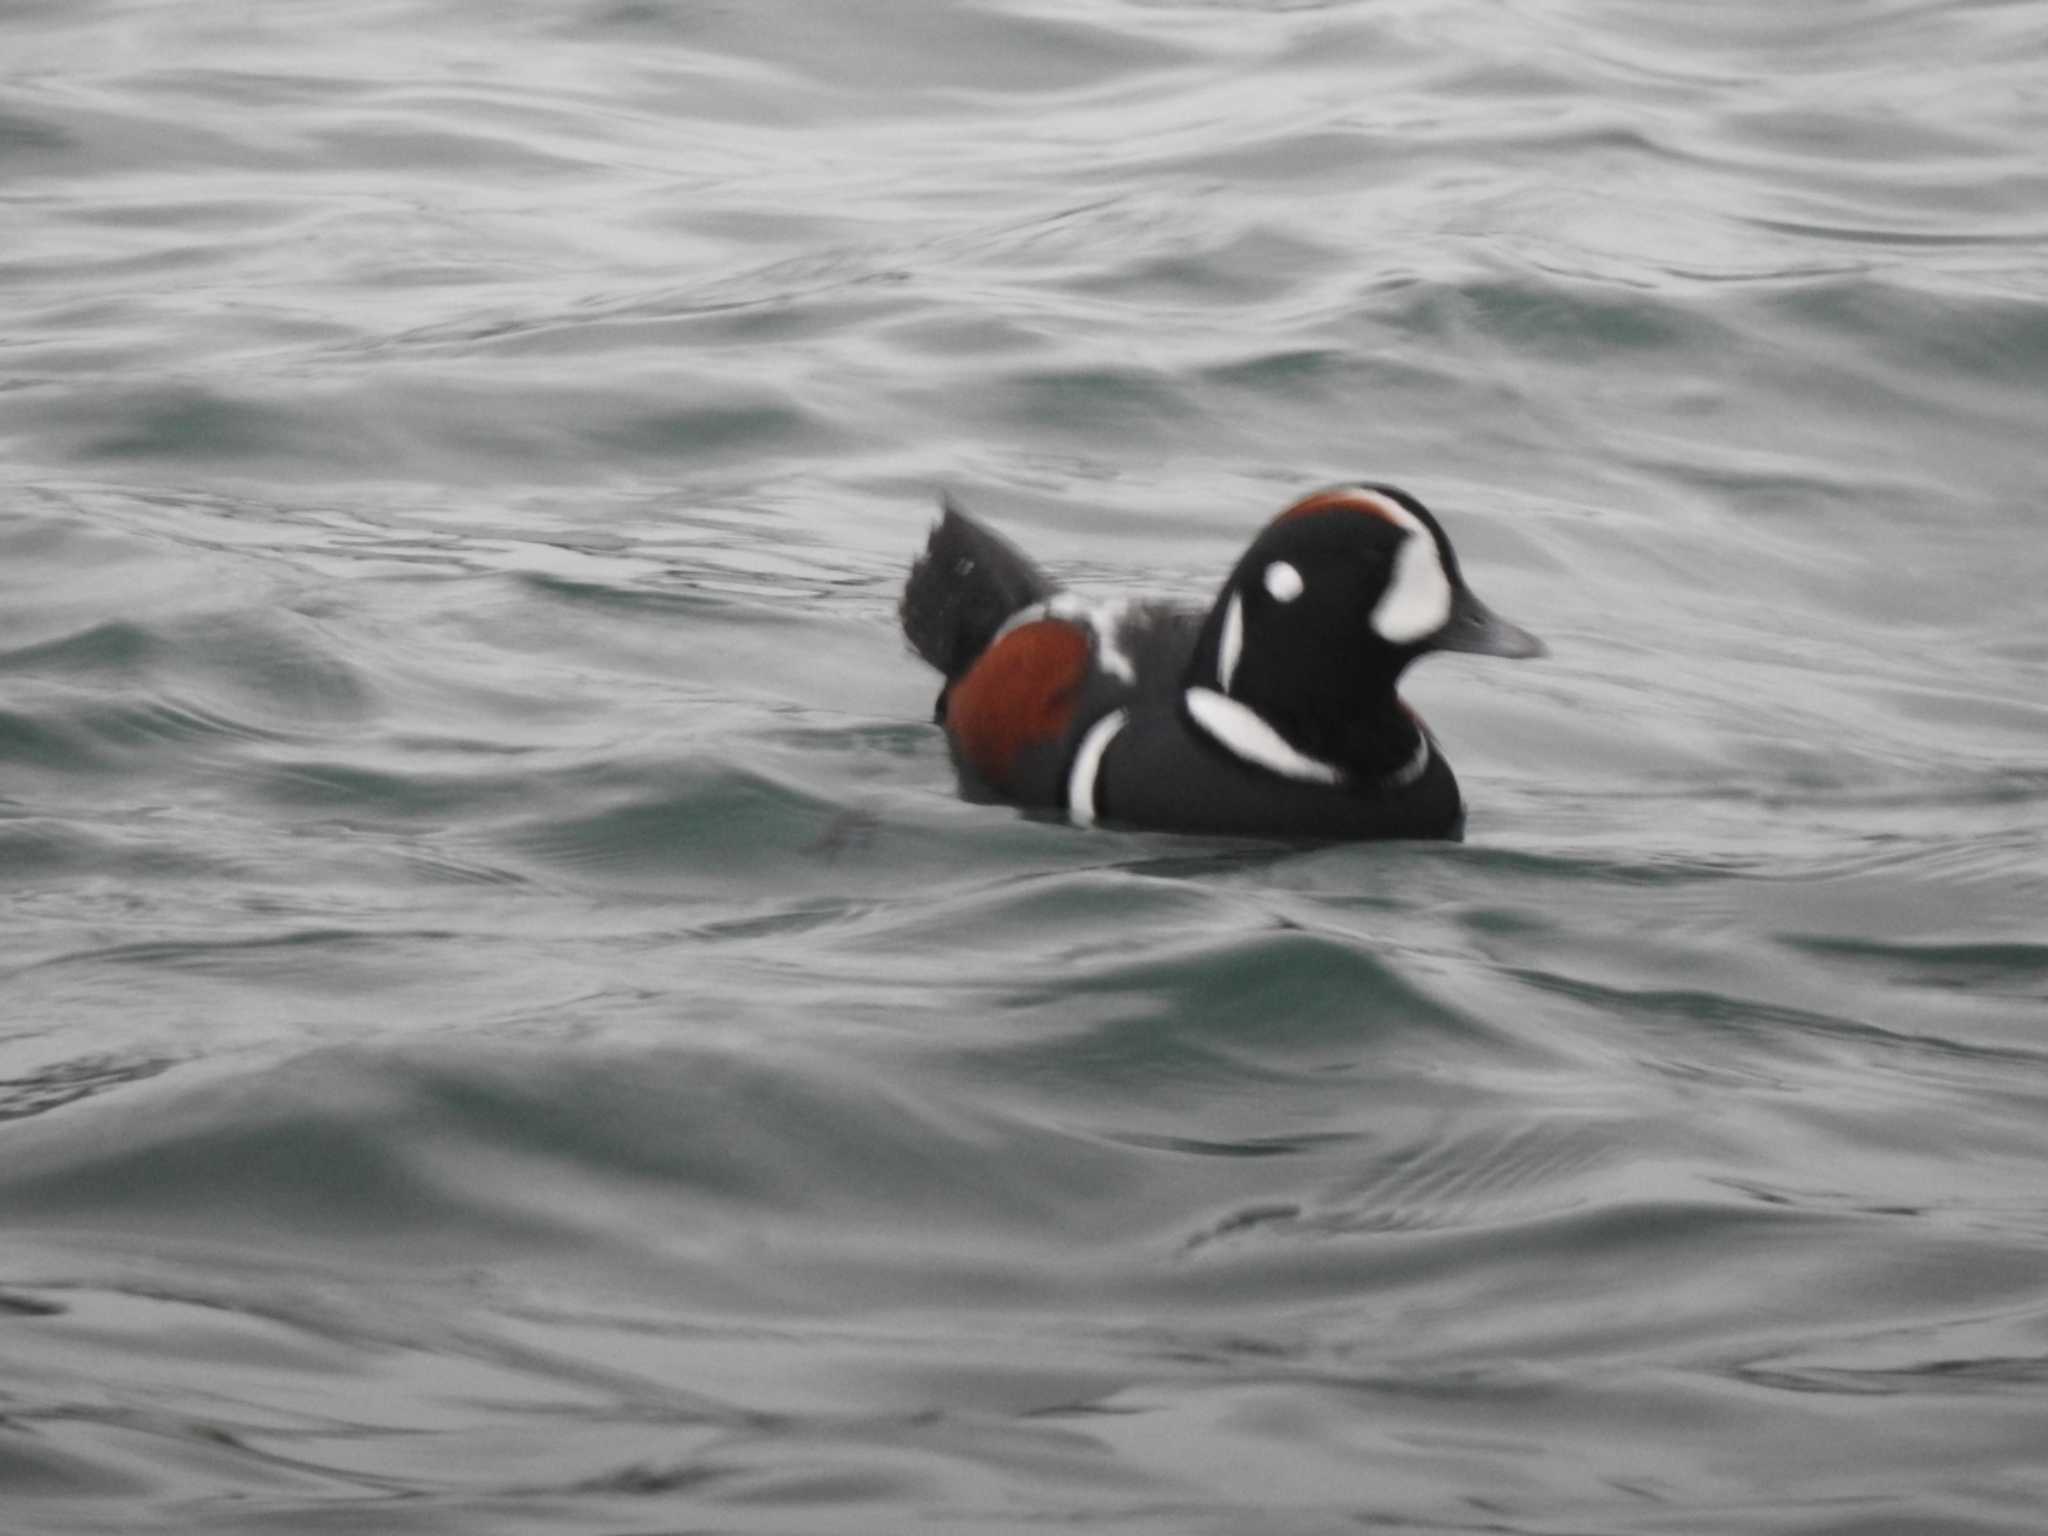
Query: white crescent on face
x,y
1417,602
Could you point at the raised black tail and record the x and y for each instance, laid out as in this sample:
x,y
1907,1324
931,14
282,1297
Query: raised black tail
x,y
962,589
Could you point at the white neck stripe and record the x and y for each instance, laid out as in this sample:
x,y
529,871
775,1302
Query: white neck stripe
x,y
1231,645
1084,777
1240,731
1243,734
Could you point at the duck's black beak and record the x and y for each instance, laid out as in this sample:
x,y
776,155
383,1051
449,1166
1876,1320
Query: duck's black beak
x,y
1477,628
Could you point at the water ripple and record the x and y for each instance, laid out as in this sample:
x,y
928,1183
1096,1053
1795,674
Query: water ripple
x,y
507,1024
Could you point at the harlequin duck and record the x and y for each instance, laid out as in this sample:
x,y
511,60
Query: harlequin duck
x,y
1274,714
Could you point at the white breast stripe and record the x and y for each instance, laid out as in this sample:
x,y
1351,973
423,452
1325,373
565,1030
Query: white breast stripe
x,y
1088,767
1231,644
1243,734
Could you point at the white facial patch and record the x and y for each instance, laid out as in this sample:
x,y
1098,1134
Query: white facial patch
x,y
1231,645
1283,581
1417,601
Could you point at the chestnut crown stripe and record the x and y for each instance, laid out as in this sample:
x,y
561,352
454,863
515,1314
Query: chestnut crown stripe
x,y
1350,498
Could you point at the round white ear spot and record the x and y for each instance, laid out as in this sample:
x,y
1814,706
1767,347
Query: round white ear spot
x,y
1283,581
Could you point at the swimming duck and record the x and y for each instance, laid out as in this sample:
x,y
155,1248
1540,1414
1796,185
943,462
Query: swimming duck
x,y
1272,713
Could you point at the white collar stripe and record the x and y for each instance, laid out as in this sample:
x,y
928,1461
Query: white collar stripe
x,y
1243,734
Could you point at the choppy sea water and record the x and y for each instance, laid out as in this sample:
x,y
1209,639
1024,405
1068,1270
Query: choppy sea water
x,y
506,1025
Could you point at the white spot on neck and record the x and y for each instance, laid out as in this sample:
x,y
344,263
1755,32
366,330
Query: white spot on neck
x,y
1244,734
1231,645
1283,581
1417,601
1087,770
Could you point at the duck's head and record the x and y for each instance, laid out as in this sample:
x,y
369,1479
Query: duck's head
x,y
1332,601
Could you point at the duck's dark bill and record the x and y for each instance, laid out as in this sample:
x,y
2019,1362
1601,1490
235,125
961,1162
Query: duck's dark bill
x,y
1477,628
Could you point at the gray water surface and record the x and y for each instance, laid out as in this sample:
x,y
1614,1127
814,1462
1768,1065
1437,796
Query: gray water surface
x,y
507,1026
